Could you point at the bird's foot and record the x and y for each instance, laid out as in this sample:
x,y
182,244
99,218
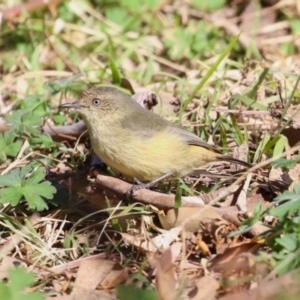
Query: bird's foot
x,y
138,185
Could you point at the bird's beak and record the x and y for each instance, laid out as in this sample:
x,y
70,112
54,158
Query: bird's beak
x,y
75,105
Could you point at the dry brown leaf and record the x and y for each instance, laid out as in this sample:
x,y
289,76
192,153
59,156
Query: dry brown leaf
x,y
256,196
241,153
292,119
76,263
159,242
146,99
241,202
116,275
168,103
149,221
292,134
216,230
7,263
280,180
225,262
89,275
206,288
283,287
176,216
92,273
175,249
165,277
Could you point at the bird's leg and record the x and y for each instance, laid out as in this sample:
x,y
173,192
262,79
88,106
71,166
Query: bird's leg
x,y
140,185
97,163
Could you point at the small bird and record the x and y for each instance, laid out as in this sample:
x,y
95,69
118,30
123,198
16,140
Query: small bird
x,y
138,143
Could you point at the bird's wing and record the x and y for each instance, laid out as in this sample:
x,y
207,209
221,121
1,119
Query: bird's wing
x,y
146,125
193,139
143,124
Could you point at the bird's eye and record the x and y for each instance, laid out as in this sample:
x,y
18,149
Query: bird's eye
x,y
96,102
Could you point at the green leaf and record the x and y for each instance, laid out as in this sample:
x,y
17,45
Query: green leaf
x,y
261,147
132,292
290,203
295,26
7,145
279,146
116,78
19,279
251,103
208,5
32,189
44,140
12,179
253,92
150,4
288,241
10,195
116,225
66,84
178,197
286,163
59,119
22,120
36,177
249,222
35,104
117,15
120,16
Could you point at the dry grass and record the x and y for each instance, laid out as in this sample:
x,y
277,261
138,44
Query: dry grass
x,y
247,104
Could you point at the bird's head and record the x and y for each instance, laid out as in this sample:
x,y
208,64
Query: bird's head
x,y
100,103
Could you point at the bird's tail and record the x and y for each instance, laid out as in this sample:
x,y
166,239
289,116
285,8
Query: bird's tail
x,y
235,160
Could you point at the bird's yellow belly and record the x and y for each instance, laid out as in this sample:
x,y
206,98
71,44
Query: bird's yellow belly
x,y
149,159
